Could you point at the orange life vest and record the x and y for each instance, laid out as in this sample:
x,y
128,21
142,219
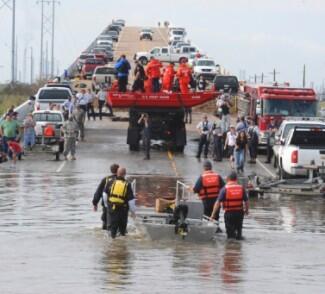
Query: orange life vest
x,y
234,197
210,184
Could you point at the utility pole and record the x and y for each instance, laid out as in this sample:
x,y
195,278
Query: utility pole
x,y
274,73
5,3
304,76
31,66
47,60
47,27
262,78
25,66
16,61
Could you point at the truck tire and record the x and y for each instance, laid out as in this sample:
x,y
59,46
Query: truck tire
x,y
143,60
282,173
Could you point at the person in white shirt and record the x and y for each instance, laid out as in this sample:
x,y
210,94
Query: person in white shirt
x,y
230,144
82,100
102,94
204,127
90,104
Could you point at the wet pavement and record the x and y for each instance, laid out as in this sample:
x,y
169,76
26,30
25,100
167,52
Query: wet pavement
x,y
51,241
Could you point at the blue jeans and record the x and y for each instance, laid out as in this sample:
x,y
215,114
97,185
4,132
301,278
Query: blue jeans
x,y
29,138
5,143
240,159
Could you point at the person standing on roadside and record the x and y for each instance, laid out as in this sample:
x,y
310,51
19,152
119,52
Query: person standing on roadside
x,y
102,95
235,204
139,77
120,199
69,130
9,129
90,104
184,75
82,100
230,144
208,186
29,131
253,134
271,130
78,116
204,127
217,139
99,194
168,77
145,123
240,151
225,112
67,107
122,67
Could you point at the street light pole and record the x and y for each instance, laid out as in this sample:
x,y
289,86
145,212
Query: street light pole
x,y
13,39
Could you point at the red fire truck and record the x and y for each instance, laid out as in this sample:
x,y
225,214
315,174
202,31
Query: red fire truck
x,y
262,102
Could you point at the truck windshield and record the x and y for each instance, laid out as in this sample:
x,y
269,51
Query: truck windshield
x,y
49,117
53,95
205,63
178,33
289,107
309,138
105,71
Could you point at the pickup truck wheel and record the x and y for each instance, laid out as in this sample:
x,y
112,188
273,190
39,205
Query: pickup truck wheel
x,y
275,162
282,173
143,60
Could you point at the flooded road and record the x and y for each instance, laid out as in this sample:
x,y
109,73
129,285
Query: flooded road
x,y
51,241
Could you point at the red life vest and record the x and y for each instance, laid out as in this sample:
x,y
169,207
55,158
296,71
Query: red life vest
x,y
210,185
234,197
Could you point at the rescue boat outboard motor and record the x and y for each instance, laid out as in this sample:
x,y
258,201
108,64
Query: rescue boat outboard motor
x,y
179,217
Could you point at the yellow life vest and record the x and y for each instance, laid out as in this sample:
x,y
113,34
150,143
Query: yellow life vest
x,y
118,191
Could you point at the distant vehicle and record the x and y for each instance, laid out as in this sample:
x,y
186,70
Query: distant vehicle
x,y
101,53
51,95
105,37
113,34
181,44
303,146
176,35
82,58
108,43
290,123
89,67
146,34
263,102
226,83
120,22
59,85
165,54
103,75
205,67
116,28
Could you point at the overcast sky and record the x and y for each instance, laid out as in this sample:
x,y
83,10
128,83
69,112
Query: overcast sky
x,y
254,36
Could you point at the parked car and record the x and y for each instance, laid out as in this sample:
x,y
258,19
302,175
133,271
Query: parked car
x,y
82,58
146,34
89,67
103,75
205,67
303,146
51,95
115,27
290,123
108,55
113,34
108,43
176,35
120,22
59,85
226,83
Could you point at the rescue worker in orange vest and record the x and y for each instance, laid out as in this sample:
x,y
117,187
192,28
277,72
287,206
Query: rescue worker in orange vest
x,y
208,186
153,72
147,84
235,203
184,75
168,77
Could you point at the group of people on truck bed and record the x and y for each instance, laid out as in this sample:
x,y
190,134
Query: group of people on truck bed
x,y
155,77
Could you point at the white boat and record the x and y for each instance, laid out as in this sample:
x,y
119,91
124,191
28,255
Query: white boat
x,y
195,227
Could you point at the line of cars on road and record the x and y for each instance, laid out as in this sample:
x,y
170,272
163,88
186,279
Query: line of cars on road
x,y
96,59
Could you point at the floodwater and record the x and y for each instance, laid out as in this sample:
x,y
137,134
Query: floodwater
x,y
51,242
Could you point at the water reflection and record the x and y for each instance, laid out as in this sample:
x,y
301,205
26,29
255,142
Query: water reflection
x,y
231,270
117,264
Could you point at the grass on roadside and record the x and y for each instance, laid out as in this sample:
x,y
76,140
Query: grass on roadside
x,y
6,101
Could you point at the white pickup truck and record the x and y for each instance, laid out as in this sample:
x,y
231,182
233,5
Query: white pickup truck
x,y
165,54
302,150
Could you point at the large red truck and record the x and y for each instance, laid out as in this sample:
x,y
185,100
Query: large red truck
x,y
166,112
262,102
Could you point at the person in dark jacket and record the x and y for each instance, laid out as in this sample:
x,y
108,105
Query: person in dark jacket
x,y
139,77
122,67
120,199
144,122
99,195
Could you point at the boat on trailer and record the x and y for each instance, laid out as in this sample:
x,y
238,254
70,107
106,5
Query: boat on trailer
x,y
186,223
